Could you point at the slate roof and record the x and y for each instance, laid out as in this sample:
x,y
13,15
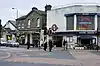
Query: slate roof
x,y
12,22
40,12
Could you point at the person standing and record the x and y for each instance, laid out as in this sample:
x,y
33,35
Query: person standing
x,y
28,45
50,45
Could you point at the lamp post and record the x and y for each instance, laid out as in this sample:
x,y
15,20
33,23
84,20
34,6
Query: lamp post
x,y
16,12
16,18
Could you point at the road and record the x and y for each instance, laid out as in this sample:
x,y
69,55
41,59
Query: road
x,y
10,56
33,57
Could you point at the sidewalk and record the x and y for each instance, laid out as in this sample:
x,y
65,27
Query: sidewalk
x,y
86,58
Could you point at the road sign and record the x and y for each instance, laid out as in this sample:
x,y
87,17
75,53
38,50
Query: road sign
x,y
54,27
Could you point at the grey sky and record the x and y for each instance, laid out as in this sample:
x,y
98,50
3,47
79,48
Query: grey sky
x,y
24,6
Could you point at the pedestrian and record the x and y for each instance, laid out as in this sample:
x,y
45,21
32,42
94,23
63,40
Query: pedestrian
x,y
50,45
45,46
97,48
64,44
28,45
54,45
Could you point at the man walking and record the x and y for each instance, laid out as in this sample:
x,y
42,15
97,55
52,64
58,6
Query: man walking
x,y
50,45
28,45
45,46
65,45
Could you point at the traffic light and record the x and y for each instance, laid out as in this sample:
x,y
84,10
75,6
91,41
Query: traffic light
x,y
45,30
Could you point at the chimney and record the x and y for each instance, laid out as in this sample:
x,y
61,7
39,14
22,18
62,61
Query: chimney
x,y
48,7
34,8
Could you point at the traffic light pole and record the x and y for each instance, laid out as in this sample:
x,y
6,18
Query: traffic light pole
x,y
0,30
97,38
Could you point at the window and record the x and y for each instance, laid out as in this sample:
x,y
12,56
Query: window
x,y
33,20
70,38
70,23
85,22
38,22
22,25
98,22
19,27
29,23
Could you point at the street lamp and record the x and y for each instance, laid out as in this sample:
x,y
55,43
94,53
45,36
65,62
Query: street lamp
x,y
16,12
16,18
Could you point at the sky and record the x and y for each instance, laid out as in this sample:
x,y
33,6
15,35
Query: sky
x,y
24,6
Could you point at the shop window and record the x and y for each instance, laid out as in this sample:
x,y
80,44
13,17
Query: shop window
x,y
70,39
85,22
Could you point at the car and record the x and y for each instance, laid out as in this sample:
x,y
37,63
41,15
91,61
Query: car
x,y
12,44
3,42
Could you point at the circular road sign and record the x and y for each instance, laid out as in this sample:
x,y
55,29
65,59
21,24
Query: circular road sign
x,y
54,27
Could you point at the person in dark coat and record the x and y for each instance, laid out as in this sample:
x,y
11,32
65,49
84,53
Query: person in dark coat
x,y
97,48
54,45
64,44
50,45
28,45
45,46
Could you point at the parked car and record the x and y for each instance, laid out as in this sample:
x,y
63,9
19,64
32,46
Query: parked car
x,y
3,42
12,44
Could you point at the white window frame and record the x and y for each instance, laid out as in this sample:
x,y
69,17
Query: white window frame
x,y
22,25
38,22
29,23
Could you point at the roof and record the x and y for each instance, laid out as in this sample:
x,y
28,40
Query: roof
x,y
12,22
8,30
40,12
21,18
74,5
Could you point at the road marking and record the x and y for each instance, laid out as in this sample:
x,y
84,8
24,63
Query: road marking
x,y
8,55
24,55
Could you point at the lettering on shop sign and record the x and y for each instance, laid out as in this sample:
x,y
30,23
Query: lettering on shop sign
x,y
83,32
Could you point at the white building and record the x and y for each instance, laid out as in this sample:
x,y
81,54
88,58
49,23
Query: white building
x,y
77,23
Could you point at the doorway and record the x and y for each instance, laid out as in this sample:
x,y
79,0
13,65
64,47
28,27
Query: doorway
x,y
58,40
85,41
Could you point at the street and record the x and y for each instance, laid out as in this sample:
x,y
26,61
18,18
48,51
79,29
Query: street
x,y
10,56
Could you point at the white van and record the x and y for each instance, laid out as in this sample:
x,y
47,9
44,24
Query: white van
x,y
3,42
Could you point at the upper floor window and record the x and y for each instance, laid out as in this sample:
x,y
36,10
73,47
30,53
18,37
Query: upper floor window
x,y
38,22
33,20
29,23
22,25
